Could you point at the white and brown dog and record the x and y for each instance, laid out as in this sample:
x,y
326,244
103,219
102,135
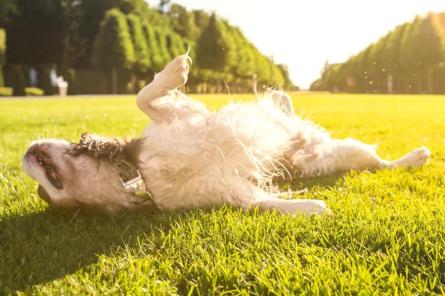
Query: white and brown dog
x,y
190,157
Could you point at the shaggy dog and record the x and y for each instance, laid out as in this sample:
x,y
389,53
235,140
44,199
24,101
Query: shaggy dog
x,y
190,157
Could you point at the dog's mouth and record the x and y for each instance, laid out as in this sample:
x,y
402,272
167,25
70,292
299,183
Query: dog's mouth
x,y
43,194
44,161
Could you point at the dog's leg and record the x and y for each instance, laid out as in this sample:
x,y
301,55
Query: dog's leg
x,y
174,75
282,100
350,154
293,206
266,201
415,158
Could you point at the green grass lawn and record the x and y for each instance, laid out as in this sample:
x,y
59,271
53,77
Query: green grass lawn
x,y
387,234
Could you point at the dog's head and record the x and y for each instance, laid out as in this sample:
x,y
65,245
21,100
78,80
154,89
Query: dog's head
x,y
86,176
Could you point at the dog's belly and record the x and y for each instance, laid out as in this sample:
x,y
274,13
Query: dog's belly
x,y
198,162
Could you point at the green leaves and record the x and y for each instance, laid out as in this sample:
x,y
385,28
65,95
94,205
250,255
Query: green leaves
x,y
212,47
113,47
142,61
223,48
127,41
407,60
2,48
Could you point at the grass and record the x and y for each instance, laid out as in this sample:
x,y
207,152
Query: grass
x,y
387,235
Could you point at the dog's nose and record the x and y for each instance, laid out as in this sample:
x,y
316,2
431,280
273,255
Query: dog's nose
x,y
42,146
36,148
32,150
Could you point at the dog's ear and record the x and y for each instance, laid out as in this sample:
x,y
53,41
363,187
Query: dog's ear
x,y
96,147
132,149
107,148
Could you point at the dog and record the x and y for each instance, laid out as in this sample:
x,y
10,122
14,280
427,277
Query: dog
x,y
190,157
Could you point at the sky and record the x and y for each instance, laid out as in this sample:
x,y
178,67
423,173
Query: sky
x,y
304,34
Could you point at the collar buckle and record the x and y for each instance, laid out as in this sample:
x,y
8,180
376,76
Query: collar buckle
x,y
136,184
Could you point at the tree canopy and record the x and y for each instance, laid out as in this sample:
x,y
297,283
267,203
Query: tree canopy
x,y
134,40
410,59
114,47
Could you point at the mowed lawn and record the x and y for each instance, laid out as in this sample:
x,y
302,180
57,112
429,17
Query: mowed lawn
x,y
386,236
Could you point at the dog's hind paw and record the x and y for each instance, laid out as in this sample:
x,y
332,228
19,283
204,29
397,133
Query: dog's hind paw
x,y
416,158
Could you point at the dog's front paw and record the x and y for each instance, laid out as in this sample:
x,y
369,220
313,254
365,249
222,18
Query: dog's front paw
x,y
175,74
310,207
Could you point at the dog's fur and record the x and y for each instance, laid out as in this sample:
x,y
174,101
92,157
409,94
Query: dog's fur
x,y
190,157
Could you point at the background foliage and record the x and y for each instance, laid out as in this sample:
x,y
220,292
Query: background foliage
x,y
124,42
410,59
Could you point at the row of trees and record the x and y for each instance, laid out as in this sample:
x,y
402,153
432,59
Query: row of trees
x,y
117,45
410,59
127,44
223,53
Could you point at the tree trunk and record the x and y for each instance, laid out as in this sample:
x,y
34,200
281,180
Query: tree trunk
x,y
114,80
18,81
134,83
429,81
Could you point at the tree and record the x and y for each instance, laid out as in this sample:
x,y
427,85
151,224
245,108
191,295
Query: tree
x,y
276,76
183,22
129,39
17,80
2,54
211,46
163,42
409,59
34,32
246,66
6,8
155,55
429,53
163,5
201,19
176,44
82,24
288,84
113,49
142,59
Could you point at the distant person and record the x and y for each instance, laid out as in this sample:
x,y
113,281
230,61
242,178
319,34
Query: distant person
x,y
255,83
53,77
33,77
63,86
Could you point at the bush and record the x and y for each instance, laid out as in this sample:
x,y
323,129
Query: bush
x,y
5,91
34,91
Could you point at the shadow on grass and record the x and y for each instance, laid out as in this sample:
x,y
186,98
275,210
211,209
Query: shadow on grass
x,y
313,183
41,247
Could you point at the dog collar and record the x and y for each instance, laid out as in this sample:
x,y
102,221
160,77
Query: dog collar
x,y
137,186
